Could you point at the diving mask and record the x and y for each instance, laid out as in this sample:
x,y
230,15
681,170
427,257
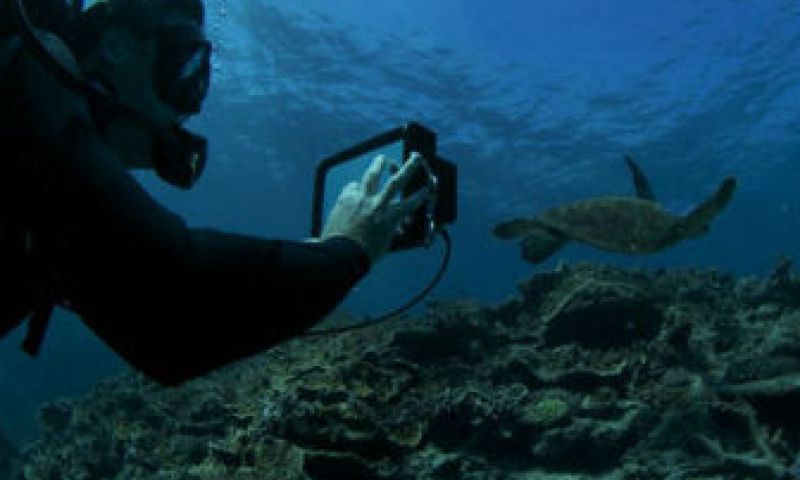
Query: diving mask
x,y
183,67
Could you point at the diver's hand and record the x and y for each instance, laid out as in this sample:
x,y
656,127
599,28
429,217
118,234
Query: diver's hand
x,y
369,214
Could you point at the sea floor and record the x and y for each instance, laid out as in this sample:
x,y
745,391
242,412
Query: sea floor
x,y
589,372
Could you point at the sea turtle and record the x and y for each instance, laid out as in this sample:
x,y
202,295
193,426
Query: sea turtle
x,y
632,225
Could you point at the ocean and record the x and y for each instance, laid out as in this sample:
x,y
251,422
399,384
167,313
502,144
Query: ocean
x,y
536,101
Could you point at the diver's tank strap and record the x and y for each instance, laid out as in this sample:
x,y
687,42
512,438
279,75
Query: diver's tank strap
x,y
11,47
37,326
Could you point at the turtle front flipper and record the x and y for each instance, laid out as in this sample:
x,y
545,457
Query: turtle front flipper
x,y
696,222
516,227
539,244
643,188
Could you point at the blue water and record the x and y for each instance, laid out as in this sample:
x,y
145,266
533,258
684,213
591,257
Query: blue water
x,y
535,100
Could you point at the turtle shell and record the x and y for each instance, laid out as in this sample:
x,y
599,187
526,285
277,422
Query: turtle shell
x,y
619,224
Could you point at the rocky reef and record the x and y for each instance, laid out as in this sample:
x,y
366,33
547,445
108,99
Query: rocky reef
x,y
8,456
589,372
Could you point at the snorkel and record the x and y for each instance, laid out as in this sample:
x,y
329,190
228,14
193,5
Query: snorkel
x,y
179,156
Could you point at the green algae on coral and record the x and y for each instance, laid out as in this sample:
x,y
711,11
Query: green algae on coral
x,y
544,413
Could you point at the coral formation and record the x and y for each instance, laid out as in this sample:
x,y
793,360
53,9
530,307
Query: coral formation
x,y
8,457
590,372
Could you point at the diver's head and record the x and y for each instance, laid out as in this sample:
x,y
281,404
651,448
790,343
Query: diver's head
x,y
151,56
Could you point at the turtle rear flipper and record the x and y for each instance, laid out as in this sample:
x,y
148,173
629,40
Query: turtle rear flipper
x,y
698,219
643,188
515,228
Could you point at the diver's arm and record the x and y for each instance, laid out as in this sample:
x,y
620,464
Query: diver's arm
x,y
174,301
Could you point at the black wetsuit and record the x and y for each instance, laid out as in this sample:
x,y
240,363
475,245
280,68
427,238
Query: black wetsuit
x,y
77,228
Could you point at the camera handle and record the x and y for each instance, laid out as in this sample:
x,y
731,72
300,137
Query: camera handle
x,y
432,184
430,205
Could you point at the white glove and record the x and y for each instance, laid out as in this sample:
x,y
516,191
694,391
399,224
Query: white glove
x,y
369,216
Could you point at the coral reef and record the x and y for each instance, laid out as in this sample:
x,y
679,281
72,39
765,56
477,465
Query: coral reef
x,y
590,372
8,456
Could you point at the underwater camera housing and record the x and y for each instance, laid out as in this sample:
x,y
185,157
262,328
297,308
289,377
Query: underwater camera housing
x,y
398,144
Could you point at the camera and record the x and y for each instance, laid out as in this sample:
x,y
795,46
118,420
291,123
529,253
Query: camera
x,y
399,144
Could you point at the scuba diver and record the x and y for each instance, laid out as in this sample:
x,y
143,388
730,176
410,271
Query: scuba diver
x,y
87,95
